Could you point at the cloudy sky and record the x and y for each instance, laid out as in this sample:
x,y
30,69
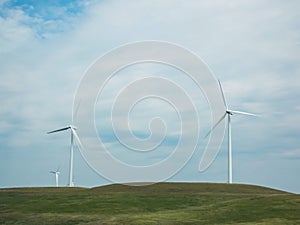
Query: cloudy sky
x,y
252,46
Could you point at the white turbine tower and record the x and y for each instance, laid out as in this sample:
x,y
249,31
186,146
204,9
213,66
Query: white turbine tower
x,y
228,113
73,134
56,173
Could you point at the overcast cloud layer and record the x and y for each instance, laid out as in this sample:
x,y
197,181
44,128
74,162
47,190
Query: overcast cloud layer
x,y
252,46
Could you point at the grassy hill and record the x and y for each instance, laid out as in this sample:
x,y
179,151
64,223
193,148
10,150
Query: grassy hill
x,y
163,203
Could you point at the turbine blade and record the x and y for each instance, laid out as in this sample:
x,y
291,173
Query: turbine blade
x,y
76,137
52,172
244,113
58,130
76,110
223,96
219,121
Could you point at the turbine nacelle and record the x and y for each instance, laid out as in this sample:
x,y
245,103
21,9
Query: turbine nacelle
x,y
55,172
229,112
72,127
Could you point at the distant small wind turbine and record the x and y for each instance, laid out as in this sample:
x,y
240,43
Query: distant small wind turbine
x,y
56,175
228,113
73,134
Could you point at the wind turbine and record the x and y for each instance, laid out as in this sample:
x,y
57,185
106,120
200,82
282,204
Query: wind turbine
x,y
228,113
73,134
56,176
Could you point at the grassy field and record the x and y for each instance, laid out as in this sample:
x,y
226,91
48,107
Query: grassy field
x,y
163,203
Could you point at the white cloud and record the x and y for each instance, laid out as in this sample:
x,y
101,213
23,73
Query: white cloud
x,y
293,153
289,154
14,32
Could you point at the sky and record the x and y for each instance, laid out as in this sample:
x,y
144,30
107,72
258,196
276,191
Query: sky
x,y
252,46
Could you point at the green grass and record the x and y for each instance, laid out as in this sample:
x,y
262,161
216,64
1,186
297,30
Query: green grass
x,y
163,203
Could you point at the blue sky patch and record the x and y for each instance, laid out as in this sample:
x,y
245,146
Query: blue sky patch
x,y
44,17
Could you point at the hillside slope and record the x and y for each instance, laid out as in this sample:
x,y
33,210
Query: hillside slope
x,y
162,203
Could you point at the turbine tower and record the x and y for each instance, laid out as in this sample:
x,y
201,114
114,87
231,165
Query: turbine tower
x,y
56,176
73,134
228,112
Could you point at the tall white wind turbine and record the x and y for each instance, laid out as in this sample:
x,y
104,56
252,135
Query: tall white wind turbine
x,y
56,173
228,113
73,134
